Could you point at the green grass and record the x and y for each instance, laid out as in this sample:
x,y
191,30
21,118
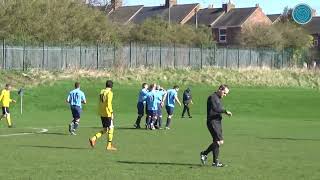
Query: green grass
x,y
274,134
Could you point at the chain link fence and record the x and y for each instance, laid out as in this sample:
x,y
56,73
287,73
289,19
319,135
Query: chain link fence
x,y
101,56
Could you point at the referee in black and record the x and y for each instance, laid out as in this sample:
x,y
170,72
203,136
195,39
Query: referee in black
x,y
214,117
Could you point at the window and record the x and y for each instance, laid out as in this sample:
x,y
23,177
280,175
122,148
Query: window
x,y
223,35
316,43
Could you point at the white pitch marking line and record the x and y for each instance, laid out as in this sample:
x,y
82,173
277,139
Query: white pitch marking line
x,y
42,130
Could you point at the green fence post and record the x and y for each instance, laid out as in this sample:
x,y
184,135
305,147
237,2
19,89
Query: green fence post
x,y
174,55
160,55
23,55
226,56
250,50
282,58
146,60
4,54
201,56
42,65
130,54
189,56
114,54
80,55
238,58
97,55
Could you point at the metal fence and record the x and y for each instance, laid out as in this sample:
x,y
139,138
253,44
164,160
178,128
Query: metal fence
x,y
100,56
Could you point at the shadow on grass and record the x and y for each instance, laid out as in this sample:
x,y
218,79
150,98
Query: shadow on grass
x,y
288,139
159,163
52,147
56,133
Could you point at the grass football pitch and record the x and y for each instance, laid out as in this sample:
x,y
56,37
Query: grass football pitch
x,y
274,134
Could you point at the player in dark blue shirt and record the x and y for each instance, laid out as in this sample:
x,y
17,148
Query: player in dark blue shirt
x,y
140,105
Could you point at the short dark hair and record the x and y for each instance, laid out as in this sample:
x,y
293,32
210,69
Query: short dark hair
x,y
152,85
143,85
109,84
76,84
175,87
7,85
223,87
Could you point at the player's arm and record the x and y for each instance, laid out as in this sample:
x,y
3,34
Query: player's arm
x,y
1,95
163,98
177,99
217,107
109,103
68,99
83,99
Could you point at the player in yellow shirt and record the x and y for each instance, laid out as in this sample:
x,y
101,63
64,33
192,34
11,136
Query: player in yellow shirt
x,y
106,114
5,101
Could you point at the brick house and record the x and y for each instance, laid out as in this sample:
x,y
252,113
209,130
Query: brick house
x,y
313,27
173,12
228,22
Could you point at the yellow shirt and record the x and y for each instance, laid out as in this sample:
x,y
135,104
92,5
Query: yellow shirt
x,y
105,103
5,98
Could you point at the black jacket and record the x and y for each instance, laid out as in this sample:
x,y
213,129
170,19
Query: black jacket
x,y
214,108
187,97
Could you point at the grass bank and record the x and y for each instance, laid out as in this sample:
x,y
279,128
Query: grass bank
x,y
206,76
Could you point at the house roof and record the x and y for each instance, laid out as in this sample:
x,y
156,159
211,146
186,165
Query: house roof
x,y
235,17
125,13
273,17
177,12
314,25
207,16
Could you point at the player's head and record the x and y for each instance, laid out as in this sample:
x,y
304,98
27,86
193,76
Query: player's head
x,y
8,86
158,87
223,90
152,86
109,84
188,90
144,86
76,85
176,87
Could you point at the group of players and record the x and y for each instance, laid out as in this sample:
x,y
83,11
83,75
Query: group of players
x,y
152,98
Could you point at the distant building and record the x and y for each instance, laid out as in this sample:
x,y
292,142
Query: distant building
x,y
228,21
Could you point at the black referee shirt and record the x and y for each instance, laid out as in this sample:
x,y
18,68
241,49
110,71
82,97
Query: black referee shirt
x,y
214,107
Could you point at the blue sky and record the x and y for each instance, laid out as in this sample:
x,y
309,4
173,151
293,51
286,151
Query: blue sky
x,y
268,6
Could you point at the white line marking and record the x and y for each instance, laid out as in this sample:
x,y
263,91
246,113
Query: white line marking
x,y
42,130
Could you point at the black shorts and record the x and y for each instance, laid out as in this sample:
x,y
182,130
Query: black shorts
x,y
152,113
169,110
107,122
76,112
215,129
5,110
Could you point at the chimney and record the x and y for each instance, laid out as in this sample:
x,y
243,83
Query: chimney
x,y
228,6
115,4
314,12
257,5
170,3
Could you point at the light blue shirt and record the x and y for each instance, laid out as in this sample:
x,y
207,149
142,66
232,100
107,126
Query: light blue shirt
x,y
76,97
159,95
171,95
152,102
142,95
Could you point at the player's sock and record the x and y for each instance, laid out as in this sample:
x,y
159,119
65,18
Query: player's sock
x,y
110,137
168,122
75,125
160,121
138,120
208,150
215,152
9,120
98,135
